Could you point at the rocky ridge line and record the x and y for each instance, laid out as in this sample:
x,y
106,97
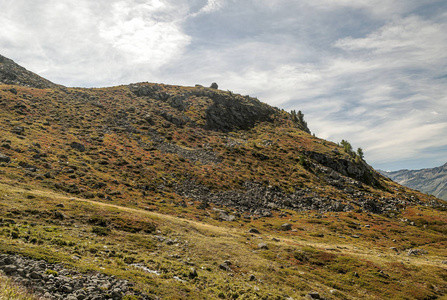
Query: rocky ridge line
x,y
12,73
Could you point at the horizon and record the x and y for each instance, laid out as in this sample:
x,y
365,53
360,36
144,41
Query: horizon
x,y
370,72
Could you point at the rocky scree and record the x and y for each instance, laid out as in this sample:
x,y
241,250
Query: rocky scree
x,y
257,200
54,281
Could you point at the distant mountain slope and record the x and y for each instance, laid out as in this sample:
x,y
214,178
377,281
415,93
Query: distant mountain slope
x,y
12,73
432,181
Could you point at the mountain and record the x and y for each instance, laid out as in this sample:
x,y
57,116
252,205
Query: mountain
x,y
155,191
431,181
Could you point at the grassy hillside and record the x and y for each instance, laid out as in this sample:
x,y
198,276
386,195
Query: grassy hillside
x,y
197,193
346,255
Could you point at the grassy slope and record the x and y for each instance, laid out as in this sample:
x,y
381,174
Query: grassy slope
x,y
335,254
321,255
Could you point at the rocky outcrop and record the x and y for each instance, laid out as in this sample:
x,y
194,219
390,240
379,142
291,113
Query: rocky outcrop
x,y
12,73
231,112
145,90
54,281
227,111
359,171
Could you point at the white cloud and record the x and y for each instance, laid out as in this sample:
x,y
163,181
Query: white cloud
x,y
93,43
410,40
135,31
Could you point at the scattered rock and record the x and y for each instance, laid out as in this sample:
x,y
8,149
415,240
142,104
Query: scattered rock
x,y
313,295
253,230
9,269
225,266
214,86
226,217
4,158
53,281
263,246
286,227
416,252
19,130
252,278
171,241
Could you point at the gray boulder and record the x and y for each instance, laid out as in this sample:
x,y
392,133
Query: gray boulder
x,y
286,227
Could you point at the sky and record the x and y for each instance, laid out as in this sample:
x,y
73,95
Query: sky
x,y
372,72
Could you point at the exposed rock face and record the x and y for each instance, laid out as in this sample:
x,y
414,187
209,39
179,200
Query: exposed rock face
x,y
53,281
229,112
144,90
431,181
12,73
359,171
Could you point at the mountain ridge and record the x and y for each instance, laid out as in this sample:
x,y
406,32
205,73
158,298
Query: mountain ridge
x,y
432,181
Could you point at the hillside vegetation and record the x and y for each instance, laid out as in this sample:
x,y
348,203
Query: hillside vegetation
x,y
198,193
